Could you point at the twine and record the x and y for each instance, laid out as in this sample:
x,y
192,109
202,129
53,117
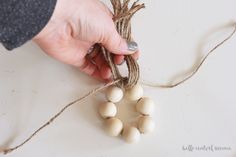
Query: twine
x,y
194,71
92,92
122,16
122,19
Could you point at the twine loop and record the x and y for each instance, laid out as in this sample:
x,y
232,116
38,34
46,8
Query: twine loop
x,y
122,19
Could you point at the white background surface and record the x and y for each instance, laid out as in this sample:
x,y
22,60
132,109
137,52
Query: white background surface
x,y
172,35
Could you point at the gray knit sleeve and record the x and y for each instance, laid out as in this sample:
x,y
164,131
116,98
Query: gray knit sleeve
x,y
21,20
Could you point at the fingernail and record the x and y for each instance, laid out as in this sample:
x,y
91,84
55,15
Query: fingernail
x,y
132,46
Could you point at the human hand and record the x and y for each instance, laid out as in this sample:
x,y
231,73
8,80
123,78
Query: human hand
x,y
74,27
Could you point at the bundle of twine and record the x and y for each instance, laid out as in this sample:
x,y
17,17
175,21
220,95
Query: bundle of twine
x,y
122,19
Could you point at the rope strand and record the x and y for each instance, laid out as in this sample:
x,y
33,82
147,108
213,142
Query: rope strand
x,y
122,16
92,92
196,69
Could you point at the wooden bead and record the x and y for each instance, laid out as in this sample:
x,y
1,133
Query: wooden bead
x,y
146,124
114,94
145,106
134,93
107,110
131,134
113,126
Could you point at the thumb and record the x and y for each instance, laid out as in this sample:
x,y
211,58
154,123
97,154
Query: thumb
x,y
117,45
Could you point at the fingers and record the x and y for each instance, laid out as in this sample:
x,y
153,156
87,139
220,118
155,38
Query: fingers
x,y
111,39
87,67
103,71
119,59
136,55
116,44
95,65
103,67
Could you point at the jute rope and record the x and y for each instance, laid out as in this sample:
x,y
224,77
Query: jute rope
x,y
194,71
122,17
8,150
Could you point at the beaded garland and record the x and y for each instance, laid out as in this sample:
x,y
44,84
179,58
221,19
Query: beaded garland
x,y
144,106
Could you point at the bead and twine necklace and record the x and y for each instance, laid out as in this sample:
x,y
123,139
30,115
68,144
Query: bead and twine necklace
x,y
123,87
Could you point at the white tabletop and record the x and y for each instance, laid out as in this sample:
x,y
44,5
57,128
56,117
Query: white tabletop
x,y
172,36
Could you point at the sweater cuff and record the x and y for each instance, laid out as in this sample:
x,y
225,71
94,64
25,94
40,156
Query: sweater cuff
x,y
22,20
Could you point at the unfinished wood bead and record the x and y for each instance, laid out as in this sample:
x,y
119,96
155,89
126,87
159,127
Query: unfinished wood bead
x,y
134,93
145,106
114,94
113,126
146,124
107,110
131,134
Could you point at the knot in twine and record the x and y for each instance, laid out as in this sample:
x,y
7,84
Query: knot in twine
x,y
122,19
